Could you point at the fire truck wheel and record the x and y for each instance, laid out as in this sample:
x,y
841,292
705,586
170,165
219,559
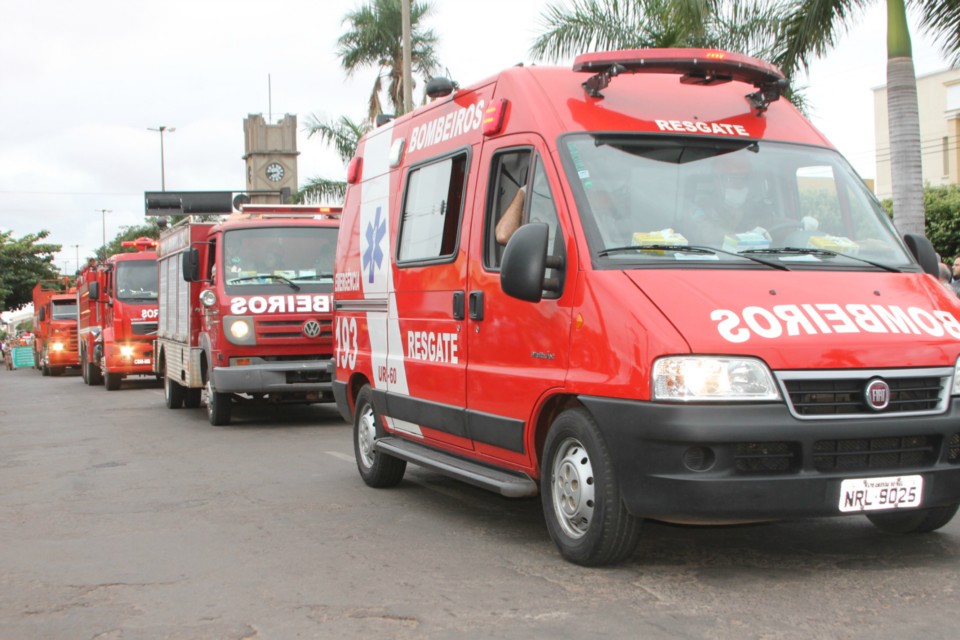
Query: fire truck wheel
x,y
191,398
57,371
377,469
218,406
44,369
172,393
93,374
585,514
112,381
919,521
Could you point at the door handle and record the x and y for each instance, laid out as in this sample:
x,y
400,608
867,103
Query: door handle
x,y
458,313
476,305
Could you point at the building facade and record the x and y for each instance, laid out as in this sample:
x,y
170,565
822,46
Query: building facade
x,y
270,154
938,98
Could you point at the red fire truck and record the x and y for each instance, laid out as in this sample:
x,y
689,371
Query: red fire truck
x,y
246,306
55,326
117,310
642,287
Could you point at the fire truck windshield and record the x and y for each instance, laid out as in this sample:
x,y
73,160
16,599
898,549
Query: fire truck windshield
x,y
65,310
741,202
137,280
275,257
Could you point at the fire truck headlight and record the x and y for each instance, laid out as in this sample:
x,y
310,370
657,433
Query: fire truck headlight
x,y
208,298
712,379
239,330
126,351
56,346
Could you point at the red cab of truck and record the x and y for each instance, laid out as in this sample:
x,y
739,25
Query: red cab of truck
x,y
117,306
704,314
246,307
55,326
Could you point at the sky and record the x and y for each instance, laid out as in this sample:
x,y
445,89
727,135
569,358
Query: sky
x,y
82,84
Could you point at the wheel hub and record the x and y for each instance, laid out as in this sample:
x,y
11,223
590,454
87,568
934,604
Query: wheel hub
x,y
366,435
573,488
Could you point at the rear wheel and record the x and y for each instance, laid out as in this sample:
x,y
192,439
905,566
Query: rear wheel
x,y
112,381
915,521
585,514
172,393
218,406
191,398
377,469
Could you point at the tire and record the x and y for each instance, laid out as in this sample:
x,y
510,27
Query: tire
x,y
913,521
112,381
84,370
57,371
191,398
377,469
173,393
585,514
44,369
94,375
218,406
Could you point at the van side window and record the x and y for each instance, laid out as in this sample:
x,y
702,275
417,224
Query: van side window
x,y
507,176
432,209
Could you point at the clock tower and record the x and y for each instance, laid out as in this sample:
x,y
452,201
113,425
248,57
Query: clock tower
x,y
270,155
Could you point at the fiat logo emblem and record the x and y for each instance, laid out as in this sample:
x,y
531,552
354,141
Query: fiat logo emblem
x,y
877,394
311,328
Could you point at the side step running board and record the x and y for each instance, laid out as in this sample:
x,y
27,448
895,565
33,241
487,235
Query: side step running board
x,y
511,485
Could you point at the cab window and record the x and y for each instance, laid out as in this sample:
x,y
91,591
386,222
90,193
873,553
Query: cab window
x,y
432,209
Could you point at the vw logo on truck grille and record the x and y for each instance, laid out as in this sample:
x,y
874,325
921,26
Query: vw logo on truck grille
x,y
311,328
877,394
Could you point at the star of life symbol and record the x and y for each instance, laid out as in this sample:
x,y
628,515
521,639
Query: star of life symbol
x,y
373,254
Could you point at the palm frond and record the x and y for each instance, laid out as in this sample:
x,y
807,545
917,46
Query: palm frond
x,y
321,191
941,19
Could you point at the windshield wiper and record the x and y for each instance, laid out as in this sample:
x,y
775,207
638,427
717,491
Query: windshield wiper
x,y
692,248
809,251
290,283
317,276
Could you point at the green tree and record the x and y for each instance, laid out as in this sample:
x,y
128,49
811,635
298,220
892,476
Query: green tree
x,y
24,262
343,135
374,38
942,205
812,27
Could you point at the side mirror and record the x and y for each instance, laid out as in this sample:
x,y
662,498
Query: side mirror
x,y
94,291
924,252
43,314
524,264
191,265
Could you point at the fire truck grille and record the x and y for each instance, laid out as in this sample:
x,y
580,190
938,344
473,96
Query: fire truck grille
x,y
953,451
875,454
816,397
144,328
291,331
68,337
767,457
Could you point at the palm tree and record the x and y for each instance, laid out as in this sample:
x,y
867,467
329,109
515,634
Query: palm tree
x,y
813,26
745,26
343,135
374,38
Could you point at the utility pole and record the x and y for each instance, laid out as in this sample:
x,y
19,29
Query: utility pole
x,y
407,57
103,220
163,176
77,247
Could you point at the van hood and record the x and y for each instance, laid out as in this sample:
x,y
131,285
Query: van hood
x,y
810,319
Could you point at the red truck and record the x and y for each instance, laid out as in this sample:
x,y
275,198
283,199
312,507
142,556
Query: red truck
x,y
246,307
117,311
55,327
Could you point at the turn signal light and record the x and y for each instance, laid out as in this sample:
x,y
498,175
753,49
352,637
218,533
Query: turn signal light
x,y
354,170
494,116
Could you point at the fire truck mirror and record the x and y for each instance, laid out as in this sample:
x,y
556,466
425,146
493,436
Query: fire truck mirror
x,y
94,291
924,253
524,263
191,265
43,314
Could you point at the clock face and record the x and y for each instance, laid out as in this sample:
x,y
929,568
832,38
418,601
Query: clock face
x,y
274,172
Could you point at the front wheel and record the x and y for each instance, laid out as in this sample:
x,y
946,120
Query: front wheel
x,y
585,514
377,469
218,406
112,381
916,521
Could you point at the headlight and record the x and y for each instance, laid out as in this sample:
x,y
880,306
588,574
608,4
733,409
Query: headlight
x,y
126,351
712,379
208,298
57,346
239,330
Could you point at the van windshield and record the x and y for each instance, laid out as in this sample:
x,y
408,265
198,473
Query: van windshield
x,y
279,257
649,200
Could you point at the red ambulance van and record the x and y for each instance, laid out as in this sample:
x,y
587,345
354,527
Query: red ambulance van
x,y
704,315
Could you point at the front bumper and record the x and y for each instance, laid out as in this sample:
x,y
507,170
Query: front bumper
x,y
759,462
308,376
130,358
63,358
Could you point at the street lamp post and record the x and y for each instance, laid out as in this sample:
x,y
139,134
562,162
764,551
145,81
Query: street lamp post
x,y
163,176
77,247
103,220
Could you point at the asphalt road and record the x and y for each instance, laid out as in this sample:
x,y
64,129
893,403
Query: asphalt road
x,y
122,519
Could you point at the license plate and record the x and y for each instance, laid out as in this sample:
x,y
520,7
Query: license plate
x,y
873,494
